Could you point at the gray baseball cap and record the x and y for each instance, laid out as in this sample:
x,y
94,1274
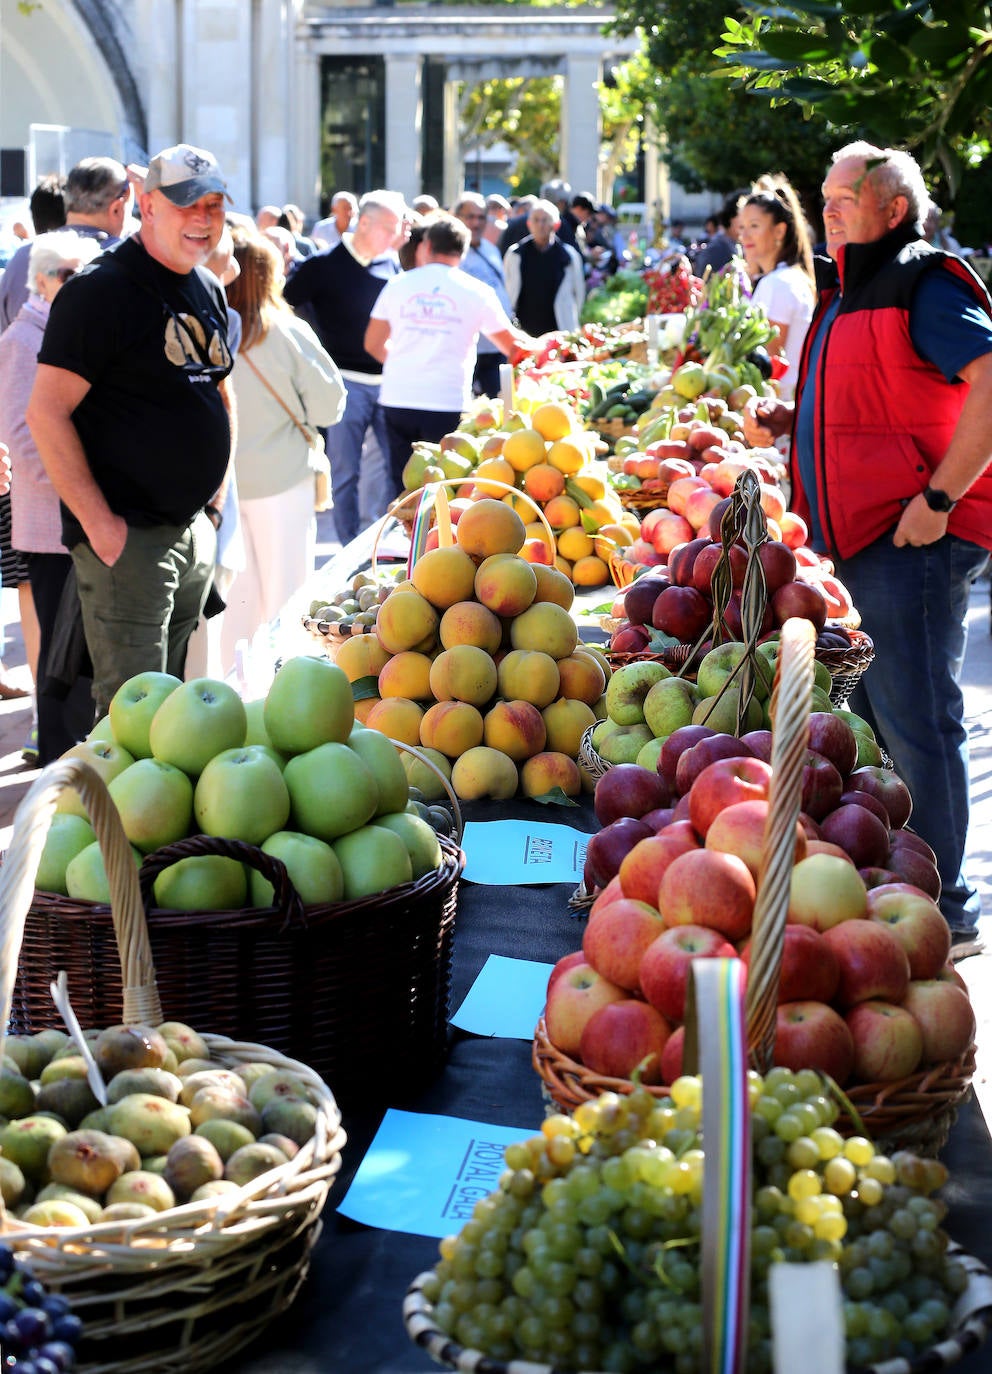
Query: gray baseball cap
x,y
183,174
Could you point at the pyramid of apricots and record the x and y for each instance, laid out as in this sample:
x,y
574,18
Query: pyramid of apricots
x,y
477,661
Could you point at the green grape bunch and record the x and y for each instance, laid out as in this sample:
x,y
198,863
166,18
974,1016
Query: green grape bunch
x,y
587,1255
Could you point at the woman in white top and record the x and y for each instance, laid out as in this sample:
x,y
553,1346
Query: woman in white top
x,y
285,383
777,250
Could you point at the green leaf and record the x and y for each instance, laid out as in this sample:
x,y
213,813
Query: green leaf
x,y
365,688
939,45
892,61
605,609
807,88
800,47
660,640
556,797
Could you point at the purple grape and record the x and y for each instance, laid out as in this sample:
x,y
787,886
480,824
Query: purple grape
x,y
60,1353
43,1365
9,1307
55,1304
32,1292
67,1328
32,1324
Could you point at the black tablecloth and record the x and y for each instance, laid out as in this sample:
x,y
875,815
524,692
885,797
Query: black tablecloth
x,y
347,1319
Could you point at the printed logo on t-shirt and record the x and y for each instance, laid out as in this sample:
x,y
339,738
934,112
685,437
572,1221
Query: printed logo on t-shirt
x,y
431,310
187,346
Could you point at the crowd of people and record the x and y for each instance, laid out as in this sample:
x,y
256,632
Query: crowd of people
x,y
172,371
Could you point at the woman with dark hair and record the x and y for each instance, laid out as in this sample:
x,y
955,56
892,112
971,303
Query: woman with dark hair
x,y
286,386
779,258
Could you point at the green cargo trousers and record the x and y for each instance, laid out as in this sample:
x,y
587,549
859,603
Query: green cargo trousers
x,y
139,614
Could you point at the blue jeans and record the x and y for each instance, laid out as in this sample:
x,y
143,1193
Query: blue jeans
x,y
343,442
914,604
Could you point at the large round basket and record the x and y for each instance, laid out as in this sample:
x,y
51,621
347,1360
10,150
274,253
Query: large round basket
x,y
346,986
180,1292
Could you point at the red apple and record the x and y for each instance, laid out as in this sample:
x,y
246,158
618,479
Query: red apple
x,y
865,799
606,848
888,1042
811,1035
877,877
802,600
629,639
704,436
860,833
825,891
918,925
643,554
682,558
908,839
910,866
699,756
644,866
659,817
640,596
566,962
888,787
724,782
576,995
671,530
812,829
945,1016
681,612
951,974
665,965
740,829
822,786
708,558
671,1056
627,789
873,964
623,1036
675,746
825,847
832,737
760,744
610,893
809,971
615,938
706,888
778,563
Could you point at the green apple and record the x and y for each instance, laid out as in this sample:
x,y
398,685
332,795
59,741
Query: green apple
x,y
718,665
196,722
331,791
383,758
822,676
104,757
373,859
309,703
423,777
312,866
86,876
819,700
102,730
207,882
134,704
419,837
67,836
721,715
241,795
868,751
600,732
627,688
857,723
155,802
669,705
649,754
256,732
623,744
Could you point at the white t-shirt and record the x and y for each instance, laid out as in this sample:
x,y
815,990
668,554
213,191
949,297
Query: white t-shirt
x,y
435,315
788,298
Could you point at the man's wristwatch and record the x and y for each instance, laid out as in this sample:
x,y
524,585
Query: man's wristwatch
x,y
938,500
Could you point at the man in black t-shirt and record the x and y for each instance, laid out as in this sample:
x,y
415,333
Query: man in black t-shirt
x,y
133,418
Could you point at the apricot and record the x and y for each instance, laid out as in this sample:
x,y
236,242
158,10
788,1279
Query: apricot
x,y
469,622
363,709
537,552
543,482
404,621
609,538
569,455
597,653
591,483
554,585
574,543
553,420
528,675
463,673
484,773
522,504
489,527
582,678
397,717
545,626
606,511
451,727
566,721
444,576
543,772
406,674
563,565
505,584
590,572
524,449
498,470
361,656
562,513
516,728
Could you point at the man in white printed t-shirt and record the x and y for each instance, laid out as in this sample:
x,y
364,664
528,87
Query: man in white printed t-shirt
x,y
424,328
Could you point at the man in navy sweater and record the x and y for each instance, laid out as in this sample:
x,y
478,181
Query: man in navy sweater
x,y
335,292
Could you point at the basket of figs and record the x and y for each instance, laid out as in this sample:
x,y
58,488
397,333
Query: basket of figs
x,y
165,1183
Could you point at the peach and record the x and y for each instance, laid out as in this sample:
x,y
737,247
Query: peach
x,y
590,571
795,531
451,727
363,709
569,455
582,678
699,505
489,527
575,543
537,552
484,774
566,722
463,673
562,513
406,674
444,576
496,468
596,652
516,728
524,449
681,489
404,621
506,584
469,622
528,675
544,772
361,656
398,718
772,502
544,482
545,626
553,585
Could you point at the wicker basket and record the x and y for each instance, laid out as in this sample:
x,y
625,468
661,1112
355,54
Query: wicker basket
x,y
331,636
641,501
182,1291
346,986
846,666
916,1112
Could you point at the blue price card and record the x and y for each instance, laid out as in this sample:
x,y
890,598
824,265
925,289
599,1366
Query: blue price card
x,y
505,853
424,1174
506,999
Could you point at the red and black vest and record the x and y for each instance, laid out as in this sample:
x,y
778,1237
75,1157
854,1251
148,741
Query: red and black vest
x,y
884,416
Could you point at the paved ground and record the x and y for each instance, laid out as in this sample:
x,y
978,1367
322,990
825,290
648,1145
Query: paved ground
x,y
15,778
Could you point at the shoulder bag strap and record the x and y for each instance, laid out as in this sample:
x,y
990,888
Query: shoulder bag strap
x,y
271,389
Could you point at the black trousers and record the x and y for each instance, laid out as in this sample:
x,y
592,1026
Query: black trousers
x,y
62,720
403,429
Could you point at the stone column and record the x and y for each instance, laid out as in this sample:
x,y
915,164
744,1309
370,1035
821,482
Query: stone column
x,y
580,123
157,31
404,117
453,168
301,157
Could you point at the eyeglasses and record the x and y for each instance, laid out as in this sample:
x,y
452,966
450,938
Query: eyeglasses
x,y
64,273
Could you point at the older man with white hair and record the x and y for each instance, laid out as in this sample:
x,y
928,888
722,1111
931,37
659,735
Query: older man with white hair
x,y
328,232
544,276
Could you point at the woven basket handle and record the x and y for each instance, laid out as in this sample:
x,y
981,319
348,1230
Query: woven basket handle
x,y
790,732
285,898
20,867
